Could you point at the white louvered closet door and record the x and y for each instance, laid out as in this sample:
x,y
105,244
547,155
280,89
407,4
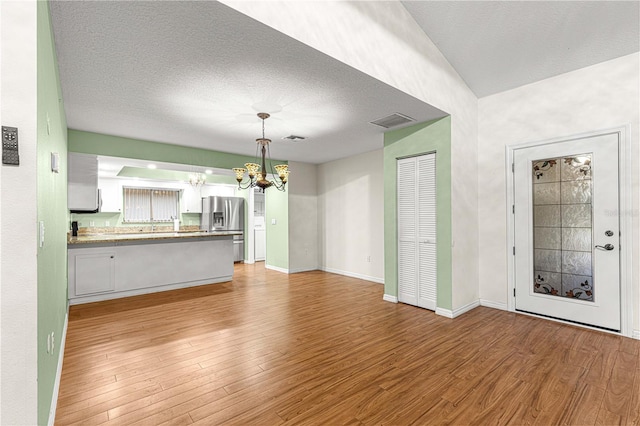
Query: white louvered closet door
x,y
417,231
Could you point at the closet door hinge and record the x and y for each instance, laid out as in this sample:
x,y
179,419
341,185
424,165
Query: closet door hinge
x,y
514,292
514,250
513,208
513,167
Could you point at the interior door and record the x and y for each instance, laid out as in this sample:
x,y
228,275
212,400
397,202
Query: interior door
x,y
417,257
567,232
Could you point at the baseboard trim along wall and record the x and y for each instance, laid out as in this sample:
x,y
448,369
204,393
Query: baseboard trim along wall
x,y
354,275
636,334
276,268
494,305
56,384
390,298
457,312
295,271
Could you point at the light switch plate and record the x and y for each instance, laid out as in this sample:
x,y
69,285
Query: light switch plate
x,y
55,162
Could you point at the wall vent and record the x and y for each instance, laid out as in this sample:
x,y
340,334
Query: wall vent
x,y
294,138
393,120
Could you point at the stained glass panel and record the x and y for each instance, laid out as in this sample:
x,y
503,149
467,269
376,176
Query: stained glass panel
x,y
562,233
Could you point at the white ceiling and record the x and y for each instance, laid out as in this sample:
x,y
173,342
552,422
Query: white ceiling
x,y
499,45
196,73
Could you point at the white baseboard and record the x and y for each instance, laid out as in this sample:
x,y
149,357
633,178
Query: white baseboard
x,y
459,311
353,275
390,298
276,268
494,305
636,334
295,271
444,312
466,308
56,384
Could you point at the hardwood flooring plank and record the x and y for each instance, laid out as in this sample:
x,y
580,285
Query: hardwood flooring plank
x,y
271,348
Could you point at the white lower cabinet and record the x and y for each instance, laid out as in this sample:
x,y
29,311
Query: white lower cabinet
x,y
94,273
127,269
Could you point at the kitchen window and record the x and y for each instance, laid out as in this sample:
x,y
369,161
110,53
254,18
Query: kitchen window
x,y
150,204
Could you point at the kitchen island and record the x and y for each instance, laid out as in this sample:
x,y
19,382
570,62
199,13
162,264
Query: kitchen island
x,y
109,266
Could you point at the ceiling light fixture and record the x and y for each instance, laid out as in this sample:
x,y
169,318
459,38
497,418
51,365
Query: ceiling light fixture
x,y
257,173
197,179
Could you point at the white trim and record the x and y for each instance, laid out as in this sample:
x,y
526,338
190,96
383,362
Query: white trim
x,y
148,290
626,213
276,268
56,383
466,308
494,305
295,271
459,311
248,262
444,312
353,275
636,334
390,298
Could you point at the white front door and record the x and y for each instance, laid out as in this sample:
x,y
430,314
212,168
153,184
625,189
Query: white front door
x,y
567,230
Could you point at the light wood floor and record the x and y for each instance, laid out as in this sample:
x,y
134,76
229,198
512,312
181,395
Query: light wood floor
x,y
323,349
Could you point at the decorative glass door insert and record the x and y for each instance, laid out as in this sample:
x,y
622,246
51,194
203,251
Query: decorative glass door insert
x,y
566,229
562,227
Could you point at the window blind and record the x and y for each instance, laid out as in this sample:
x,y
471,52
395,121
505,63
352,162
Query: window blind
x,y
150,204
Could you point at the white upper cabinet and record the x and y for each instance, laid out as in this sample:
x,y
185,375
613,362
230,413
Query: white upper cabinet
x,y
110,195
191,201
82,182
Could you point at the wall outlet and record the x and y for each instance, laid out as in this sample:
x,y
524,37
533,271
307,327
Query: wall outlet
x,y
274,221
107,223
92,223
368,258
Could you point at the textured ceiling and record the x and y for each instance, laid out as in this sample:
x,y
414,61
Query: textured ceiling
x,y
196,74
499,45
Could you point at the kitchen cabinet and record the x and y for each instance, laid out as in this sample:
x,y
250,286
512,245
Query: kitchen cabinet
x,y
82,183
124,266
110,195
191,201
93,272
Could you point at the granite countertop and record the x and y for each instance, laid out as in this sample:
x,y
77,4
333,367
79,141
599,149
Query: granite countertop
x,y
111,238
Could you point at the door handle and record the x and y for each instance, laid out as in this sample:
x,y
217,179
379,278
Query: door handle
x,y
607,247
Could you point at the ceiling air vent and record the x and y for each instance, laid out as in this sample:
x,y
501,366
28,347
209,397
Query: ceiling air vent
x,y
392,120
294,138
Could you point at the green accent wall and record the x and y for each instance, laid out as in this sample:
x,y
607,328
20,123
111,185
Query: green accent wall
x,y
116,146
52,210
277,207
433,136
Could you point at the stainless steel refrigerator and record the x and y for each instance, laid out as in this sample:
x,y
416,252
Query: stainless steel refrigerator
x,y
225,214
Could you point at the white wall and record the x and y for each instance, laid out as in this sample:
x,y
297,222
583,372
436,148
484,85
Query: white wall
x,y
351,216
303,217
597,97
382,40
18,266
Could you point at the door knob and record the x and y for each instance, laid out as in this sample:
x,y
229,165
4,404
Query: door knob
x,y
607,247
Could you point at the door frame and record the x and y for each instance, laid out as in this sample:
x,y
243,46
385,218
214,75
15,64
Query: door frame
x,y
625,217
